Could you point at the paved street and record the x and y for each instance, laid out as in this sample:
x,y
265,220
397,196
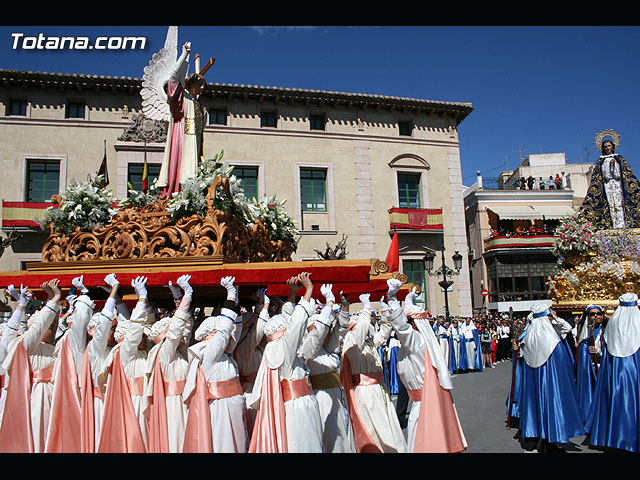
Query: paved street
x,y
480,401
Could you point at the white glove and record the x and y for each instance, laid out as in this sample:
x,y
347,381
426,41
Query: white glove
x,y
25,296
183,282
139,285
111,280
364,299
393,285
262,296
384,308
71,300
228,284
13,292
408,300
325,289
175,290
78,283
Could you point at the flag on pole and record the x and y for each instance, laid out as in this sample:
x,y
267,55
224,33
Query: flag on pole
x,y
103,167
145,171
393,257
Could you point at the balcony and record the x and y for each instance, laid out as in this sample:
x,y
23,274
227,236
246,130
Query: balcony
x,y
415,219
518,241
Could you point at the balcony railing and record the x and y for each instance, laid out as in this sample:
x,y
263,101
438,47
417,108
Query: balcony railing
x,y
519,241
415,218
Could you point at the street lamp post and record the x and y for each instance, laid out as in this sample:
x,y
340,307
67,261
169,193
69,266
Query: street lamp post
x,y
444,271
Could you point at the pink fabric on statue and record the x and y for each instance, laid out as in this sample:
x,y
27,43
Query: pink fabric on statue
x,y
87,414
198,437
16,435
270,428
158,424
176,101
64,435
120,430
363,440
438,429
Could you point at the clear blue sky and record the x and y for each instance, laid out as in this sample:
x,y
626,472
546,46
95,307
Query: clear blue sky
x,y
544,89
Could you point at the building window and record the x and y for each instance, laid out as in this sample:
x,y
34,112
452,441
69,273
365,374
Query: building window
x,y
313,186
409,190
18,107
518,278
75,110
43,180
316,122
405,128
218,116
267,119
248,177
415,272
134,175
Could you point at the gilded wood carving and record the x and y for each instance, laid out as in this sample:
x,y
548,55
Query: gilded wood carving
x,y
148,232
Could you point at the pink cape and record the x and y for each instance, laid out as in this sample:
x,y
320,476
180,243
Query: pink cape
x,y
158,424
363,440
16,435
120,430
438,429
64,435
198,437
270,428
176,92
87,428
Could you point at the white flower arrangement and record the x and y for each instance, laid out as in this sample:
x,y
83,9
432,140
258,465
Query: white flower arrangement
x,y
192,200
84,204
140,198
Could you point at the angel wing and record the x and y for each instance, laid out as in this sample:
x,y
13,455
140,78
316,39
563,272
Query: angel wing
x,y
156,74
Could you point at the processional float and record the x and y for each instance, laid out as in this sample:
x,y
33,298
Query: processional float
x,y
598,248
209,245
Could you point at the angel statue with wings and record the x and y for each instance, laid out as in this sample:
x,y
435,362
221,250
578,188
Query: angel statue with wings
x,y
169,94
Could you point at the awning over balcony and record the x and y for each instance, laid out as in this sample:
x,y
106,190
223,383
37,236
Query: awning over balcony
x,y
531,212
416,218
22,214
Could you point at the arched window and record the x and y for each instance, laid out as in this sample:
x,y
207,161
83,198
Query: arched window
x,y
409,176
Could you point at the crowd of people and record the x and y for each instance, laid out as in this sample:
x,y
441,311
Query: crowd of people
x,y
531,183
522,231
577,377
257,375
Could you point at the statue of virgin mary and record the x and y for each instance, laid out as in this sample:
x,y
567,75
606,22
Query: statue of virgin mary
x,y
613,196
